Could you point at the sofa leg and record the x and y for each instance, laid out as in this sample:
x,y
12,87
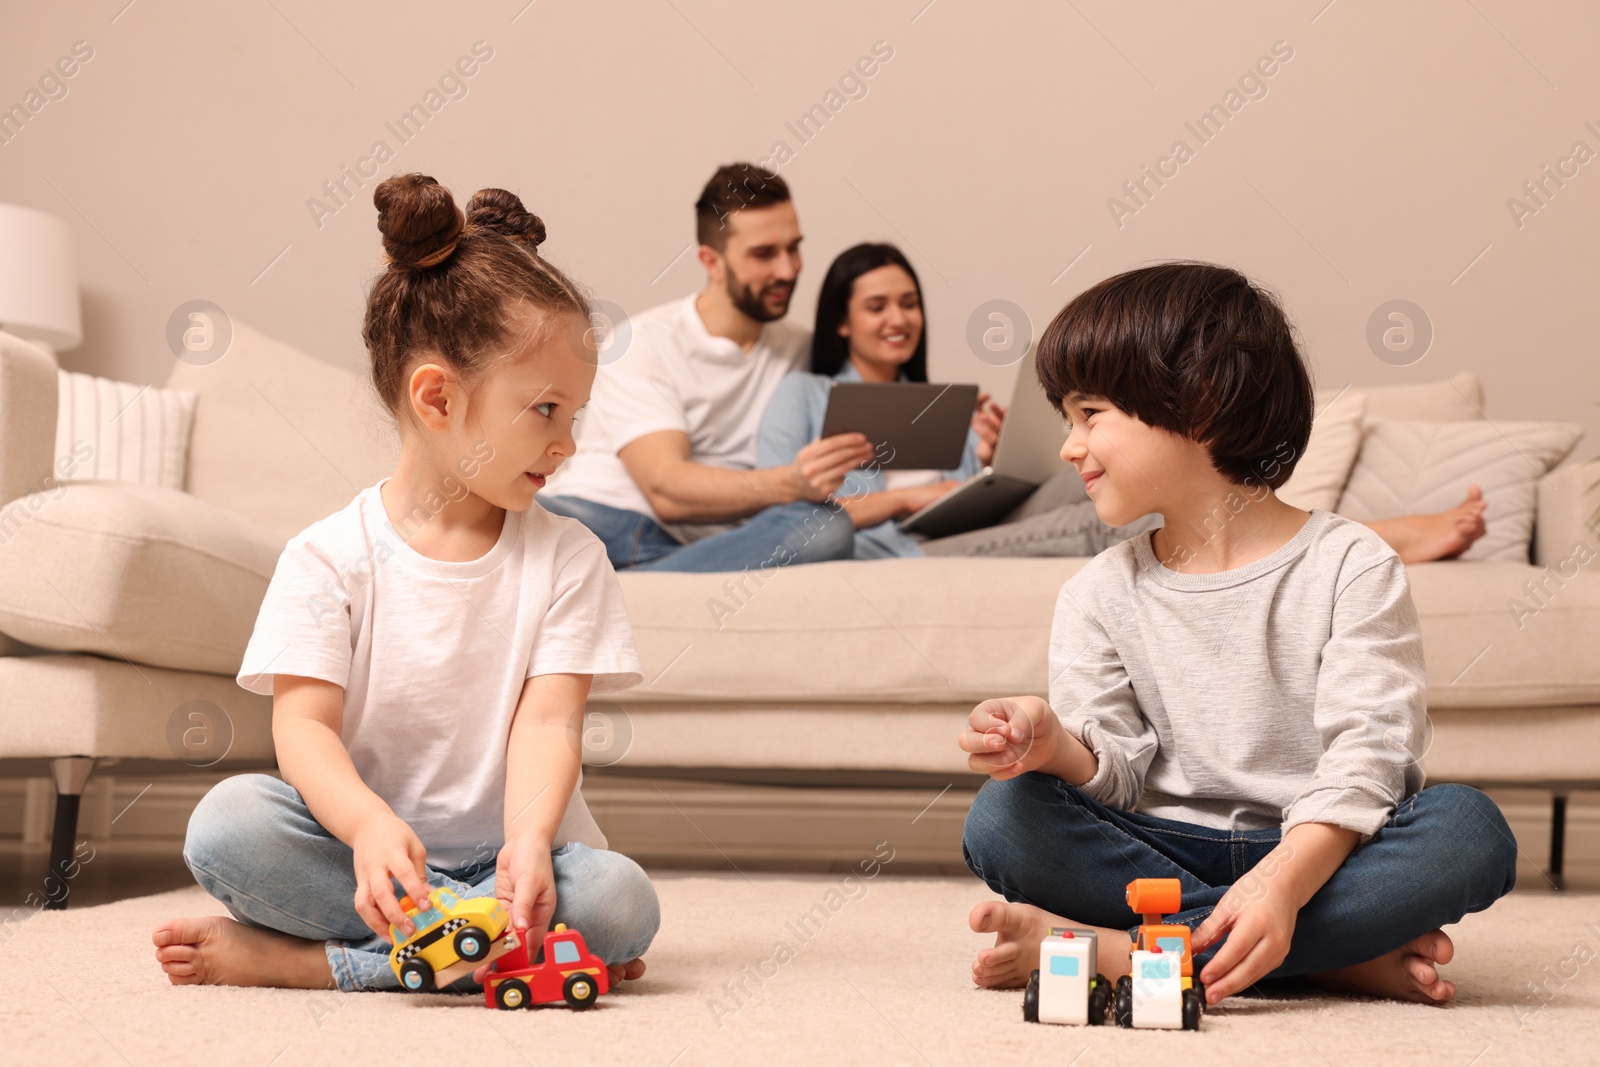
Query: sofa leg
x,y
1558,838
71,773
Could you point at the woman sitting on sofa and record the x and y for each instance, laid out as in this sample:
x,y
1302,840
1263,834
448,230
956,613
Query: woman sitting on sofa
x,y
870,328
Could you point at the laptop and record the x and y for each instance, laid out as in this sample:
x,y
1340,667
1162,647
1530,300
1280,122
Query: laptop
x,y
1027,455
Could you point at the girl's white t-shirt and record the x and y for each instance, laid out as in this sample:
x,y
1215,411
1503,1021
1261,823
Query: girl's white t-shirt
x,y
433,656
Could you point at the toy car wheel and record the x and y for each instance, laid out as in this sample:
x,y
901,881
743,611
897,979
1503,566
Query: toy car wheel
x,y
1191,1010
580,990
512,993
1030,999
1099,1001
1122,1003
416,975
472,944
1200,991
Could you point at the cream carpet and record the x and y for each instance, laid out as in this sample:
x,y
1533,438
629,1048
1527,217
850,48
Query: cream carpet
x,y
883,980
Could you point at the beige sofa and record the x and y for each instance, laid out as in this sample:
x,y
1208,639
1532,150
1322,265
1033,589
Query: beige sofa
x,y
815,699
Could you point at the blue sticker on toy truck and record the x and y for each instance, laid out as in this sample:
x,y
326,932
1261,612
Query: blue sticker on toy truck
x,y
1066,966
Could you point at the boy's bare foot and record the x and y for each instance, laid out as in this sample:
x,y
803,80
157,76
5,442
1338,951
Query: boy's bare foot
x,y
216,950
1018,929
1410,972
625,971
1442,535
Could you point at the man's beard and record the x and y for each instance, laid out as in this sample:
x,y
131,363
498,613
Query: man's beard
x,y
750,302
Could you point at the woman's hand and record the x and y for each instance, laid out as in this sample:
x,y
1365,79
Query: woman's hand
x,y
820,467
525,883
1008,736
987,418
386,848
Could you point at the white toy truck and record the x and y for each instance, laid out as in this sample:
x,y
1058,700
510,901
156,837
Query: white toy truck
x,y
1066,988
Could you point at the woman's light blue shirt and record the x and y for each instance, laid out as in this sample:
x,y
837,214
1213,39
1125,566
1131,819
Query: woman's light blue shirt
x,y
793,419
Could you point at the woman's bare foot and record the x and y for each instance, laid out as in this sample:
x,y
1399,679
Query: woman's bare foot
x,y
216,950
1442,535
1018,929
629,971
1410,972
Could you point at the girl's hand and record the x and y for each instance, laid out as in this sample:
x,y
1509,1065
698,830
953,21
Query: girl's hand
x,y
525,883
386,848
987,418
1008,736
1258,915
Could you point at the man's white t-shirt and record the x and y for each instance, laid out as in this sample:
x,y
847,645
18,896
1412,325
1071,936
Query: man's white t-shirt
x,y
433,655
674,375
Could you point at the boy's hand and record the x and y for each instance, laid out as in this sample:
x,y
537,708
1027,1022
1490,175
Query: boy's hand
x,y
386,848
525,883
1008,736
1258,917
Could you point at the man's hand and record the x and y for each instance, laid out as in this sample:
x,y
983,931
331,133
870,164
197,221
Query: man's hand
x,y
987,418
386,848
820,467
1008,736
525,883
1257,914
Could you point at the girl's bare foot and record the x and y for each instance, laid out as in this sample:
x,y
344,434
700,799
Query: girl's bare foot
x,y
629,971
216,950
1442,535
1018,929
1410,972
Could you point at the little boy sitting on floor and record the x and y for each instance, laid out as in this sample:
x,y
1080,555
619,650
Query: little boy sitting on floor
x,y
1237,698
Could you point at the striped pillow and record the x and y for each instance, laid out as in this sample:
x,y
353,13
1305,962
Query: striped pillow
x,y
117,431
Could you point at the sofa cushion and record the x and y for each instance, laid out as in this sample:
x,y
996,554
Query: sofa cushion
x,y
1410,468
948,630
133,572
121,431
1454,399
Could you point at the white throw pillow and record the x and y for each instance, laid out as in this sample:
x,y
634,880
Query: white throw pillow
x,y
117,431
1319,477
1418,467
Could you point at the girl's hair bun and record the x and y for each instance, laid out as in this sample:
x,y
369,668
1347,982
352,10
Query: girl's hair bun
x,y
502,212
419,220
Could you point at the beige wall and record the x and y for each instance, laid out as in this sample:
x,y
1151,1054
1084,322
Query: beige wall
x,y
1377,166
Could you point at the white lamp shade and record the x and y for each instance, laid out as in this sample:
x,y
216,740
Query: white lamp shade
x,y
38,279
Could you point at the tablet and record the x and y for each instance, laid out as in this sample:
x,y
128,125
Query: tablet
x,y
912,425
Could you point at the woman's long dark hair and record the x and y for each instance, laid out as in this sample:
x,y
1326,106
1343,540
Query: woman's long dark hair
x,y
829,351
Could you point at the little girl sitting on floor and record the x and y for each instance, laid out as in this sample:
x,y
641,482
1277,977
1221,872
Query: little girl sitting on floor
x,y
429,647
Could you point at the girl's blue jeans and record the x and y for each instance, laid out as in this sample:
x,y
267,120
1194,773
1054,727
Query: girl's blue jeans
x,y
254,845
1444,852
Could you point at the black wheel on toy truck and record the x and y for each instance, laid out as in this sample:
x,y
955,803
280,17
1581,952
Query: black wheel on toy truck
x,y
1191,1010
511,994
1122,1002
1200,991
1030,999
580,990
1099,1000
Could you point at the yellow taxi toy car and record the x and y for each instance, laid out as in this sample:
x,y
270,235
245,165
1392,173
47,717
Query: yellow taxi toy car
x,y
450,931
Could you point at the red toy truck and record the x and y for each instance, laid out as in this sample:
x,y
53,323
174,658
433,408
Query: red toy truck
x,y
566,970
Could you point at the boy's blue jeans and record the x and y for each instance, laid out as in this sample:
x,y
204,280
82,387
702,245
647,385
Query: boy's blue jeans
x,y
254,845
778,536
1444,852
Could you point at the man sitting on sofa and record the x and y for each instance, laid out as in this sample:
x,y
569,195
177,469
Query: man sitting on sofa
x,y
664,472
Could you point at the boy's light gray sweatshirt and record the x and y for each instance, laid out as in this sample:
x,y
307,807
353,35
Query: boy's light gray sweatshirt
x,y
1290,690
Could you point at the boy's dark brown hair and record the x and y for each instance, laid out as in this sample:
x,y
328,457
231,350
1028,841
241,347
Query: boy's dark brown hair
x,y
734,187
1193,348
454,281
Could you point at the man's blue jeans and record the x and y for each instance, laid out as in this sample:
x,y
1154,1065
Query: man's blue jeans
x,y
1444,852
255,846
802,532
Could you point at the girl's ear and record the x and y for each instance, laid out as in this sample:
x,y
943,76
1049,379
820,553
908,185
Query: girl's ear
x,y
844,327
431,392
